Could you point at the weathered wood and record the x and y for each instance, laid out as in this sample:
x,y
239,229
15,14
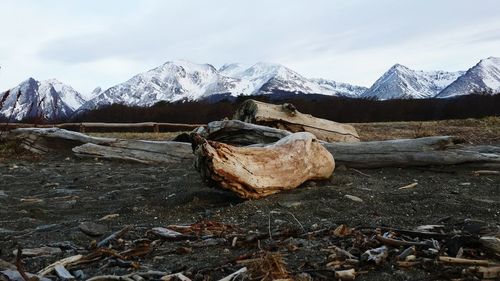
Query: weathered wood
x,y
439,150
137,151
240,133
155,126
287,117
45,140
255,172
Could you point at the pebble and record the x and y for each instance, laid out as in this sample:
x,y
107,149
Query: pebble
x,y
291,204
353,198
93,229
6,265
6,231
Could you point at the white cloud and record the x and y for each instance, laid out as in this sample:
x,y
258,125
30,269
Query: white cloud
x,y
101,43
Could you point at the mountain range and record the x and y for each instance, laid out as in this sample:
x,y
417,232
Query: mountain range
x,y
184,81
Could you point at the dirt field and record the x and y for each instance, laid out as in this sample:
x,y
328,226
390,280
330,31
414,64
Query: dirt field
x,y
473,131
44,201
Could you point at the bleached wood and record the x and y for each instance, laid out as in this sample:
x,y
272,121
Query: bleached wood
x,y
55,140
288,118
256,172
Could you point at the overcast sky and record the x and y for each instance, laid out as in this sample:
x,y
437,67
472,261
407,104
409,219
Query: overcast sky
x,y
91,43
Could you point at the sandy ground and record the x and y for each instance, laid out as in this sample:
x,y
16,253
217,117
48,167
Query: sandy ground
x,y
43,202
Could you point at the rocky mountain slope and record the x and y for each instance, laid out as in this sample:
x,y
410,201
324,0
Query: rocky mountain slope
x,y
183,80
483,77
402,82
49,99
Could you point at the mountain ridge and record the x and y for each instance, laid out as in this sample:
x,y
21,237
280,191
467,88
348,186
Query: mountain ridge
x,y
49,99
181,80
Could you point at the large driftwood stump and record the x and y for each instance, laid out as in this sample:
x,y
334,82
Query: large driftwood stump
x,y
255,172
287,117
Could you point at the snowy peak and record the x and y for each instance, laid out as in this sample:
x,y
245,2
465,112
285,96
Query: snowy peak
x,y
231,69
483,77
183,80
49,99
95,92
341,89
402,82
172,81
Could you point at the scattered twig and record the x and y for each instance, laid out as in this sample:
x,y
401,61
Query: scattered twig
x,y
64,262
19,265
485,172
293,216
175,276
398,243
115,235
411,185
359,172
451,260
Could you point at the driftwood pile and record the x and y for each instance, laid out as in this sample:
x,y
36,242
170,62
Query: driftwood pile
x,y
446,253
255,160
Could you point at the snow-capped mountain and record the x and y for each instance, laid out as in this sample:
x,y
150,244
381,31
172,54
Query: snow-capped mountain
x,y
95,92
400,82
483,77
172,81
183,80
341,89
49,99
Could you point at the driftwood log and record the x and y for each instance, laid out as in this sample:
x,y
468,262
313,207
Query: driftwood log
x,y
441,150
255,172
55,140
287,117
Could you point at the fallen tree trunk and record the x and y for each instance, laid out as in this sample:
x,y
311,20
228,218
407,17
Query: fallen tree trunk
x,y
55,140
287,117
255,172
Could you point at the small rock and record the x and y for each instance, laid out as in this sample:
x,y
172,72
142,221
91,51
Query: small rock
x,y
92,229
50,184
304,277
3,194
42,251
183,250
63,273
291,204
353,198
6,265
79,274
311,184
341,168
